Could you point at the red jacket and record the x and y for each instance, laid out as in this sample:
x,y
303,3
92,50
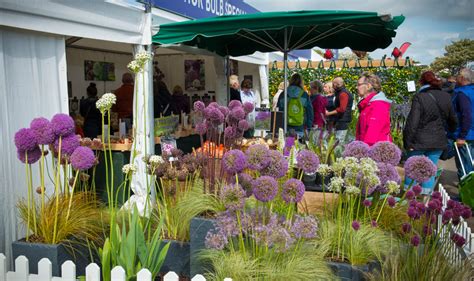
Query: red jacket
x,y
319,103
374,119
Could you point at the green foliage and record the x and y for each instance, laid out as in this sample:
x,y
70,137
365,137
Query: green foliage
x,y
132,250
323,145
457,54
302,263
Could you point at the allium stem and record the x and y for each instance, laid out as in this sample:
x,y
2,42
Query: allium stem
x,y
381,208
29,196
56,191
71,195
42,178
33,203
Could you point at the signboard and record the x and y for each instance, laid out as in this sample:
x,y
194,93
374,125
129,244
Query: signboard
x,y
198,9
262,119
166,125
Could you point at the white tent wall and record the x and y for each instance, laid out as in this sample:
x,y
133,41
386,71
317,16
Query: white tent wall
x,y
75,70
32,84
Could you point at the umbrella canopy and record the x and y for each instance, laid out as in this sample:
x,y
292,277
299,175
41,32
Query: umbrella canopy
x,y
266,32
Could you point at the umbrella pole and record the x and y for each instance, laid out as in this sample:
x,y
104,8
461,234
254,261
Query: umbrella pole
x,y
285,62
227,75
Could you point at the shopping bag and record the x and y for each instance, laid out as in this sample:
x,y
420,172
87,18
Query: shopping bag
x,y
466,183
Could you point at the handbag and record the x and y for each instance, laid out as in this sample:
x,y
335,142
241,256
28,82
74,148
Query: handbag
x,y
448,151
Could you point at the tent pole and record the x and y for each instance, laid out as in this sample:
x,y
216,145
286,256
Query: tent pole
x,y
227,75
285,83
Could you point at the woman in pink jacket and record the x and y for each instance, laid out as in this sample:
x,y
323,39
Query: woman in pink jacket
x,y
374,111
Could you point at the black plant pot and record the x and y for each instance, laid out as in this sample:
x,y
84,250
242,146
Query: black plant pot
x,y
317,183
198,230
177,258
56,253
348,272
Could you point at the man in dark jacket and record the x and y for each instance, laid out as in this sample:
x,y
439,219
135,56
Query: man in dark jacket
x,y
463,103
343,111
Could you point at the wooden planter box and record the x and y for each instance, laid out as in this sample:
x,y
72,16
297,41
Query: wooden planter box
x,y
313,202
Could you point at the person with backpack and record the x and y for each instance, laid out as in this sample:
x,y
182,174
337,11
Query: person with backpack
x,y
299,108
424,133
373,124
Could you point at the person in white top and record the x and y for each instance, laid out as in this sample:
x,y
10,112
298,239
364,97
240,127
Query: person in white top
x,y
247,95
281,89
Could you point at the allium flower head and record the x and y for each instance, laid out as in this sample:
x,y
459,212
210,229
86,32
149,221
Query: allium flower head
x,y
129,169
447,216
373,223
214,115
248,107
201,128
367,203
355,225
246,182
234,103
234,161
33,155
142,57
224,110
307,161
352,189
393,187
25,139
243,125
134,66
82,158
226,223
304,227
237,113
357,149
233,197
387,172
336,184
417,190
280,239
230,133
215,241
68,144
410,194
155,160
391,201
466,212
265,188
62,125
406,227
106,102
385,152
415,240
419,168
258,157
43,130
199,106
278,166
293,191
458,240
324,170
412,213
436,195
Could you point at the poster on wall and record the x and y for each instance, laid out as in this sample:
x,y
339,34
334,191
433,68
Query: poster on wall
x,y
234,67
99,71
195,79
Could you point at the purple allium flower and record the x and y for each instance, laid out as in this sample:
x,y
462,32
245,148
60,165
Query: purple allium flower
x,y
199,106
355,225
412,203
373,223
417,189
307,161
62,125
289,143
412,213
367,203
420,208
357,149
234,161
226,223
230,133
280,239
293,191
427,230
214,104
33,155
43,130
215,240
406,227
436,195
201,128
245,181
385,152
224,110
435,206
258,157
214,115
68,144
265,188
25,139
82,158
305,227
243,125
415,240
391,201
466,212
419,168
387,172
458,240
248,107
237,113
234,103
410,194
452,204
447,216
278,166
233,197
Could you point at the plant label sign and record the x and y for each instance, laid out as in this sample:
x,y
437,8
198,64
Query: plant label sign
x,y
166,125
411,86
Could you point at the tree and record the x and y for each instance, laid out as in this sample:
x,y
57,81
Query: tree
x,y
457,54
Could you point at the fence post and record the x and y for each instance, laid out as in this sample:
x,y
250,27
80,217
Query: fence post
x,y
3,267
68,271
93,272
227,279
22,270
118,274
171,276
144,275
198,277
45,270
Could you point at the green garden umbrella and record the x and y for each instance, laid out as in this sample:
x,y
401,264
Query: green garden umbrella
x,y
283,31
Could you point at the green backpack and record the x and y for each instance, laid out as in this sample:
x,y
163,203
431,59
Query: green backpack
x,y
296,111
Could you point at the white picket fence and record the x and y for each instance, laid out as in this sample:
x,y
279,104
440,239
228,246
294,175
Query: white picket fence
x,y
68,270
454,253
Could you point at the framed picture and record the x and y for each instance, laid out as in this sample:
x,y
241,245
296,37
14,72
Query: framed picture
x,y
234,67
99,71
194,73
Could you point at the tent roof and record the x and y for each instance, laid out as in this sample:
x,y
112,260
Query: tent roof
x,y
244,34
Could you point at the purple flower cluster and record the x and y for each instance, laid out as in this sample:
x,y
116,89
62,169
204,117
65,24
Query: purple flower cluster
x,y
357,149
233,197
293,191
391,201
258,157
419,168
278,166
25,139
415,240
385,152
246,182
62,124
307,161
454,211
248,107
356,225
304,227
68,144
234,161
387,172
265,188
82,158
289,143
215,240
199,106
43,130
33,155
458,239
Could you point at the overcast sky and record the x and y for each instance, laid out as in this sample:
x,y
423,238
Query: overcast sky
x,y
430,25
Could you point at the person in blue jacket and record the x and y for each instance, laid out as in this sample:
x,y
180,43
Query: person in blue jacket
x,y
463,102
